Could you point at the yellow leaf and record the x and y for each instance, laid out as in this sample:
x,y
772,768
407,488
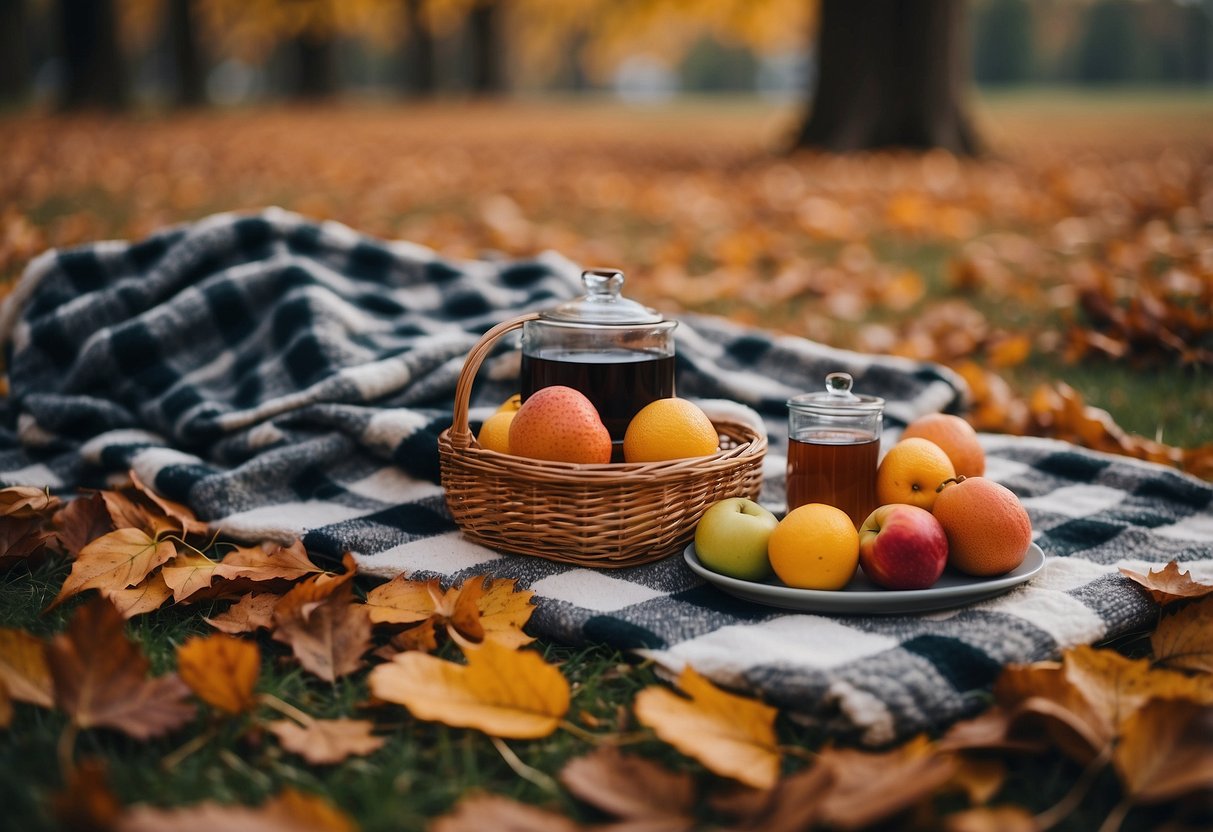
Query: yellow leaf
x,y
117,560
504,612
1166,751
402,601
1184,640
23,668
221,670
731,735
1116,686
502,692
1010,351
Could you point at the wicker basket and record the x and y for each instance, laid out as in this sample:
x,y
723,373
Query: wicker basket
x,y
607,515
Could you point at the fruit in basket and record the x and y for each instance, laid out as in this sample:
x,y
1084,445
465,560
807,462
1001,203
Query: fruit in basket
x,y
911,472
561,425
814,547
670,428
495,432
988,528
731,538
955,437
902,547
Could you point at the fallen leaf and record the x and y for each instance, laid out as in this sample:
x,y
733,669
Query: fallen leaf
x,y
1041,702
100,677
21,538
267,562
502,692
289,811
991,730
325,629
731,735
992,819
136,513
141,598
23,668
188,522
189,574
421,637
327,741
403,601
871,787
504,611
979,778
6,706
1168,584
1166,751
80,522
1184,640
632,788
501,814
1117,686
791,806
24,501
479,609
222,670
117,560
252,612
86,803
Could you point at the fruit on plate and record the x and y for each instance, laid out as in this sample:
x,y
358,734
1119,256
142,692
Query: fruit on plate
x,y
670,428
815,546
911,472
955,437
559,424
902,547
731,538
495,432
988,528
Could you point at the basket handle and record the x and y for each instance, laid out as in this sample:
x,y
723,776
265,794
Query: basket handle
x,y
460,435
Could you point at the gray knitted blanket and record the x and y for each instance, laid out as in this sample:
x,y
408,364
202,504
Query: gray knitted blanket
x,y
290,378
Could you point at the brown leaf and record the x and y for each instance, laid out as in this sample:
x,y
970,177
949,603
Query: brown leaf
x,y
23,668
86,803
24,501
189,574
21,538
117,560
222,670
289,811
142,598
187,521
731,735
325,629
1117,686
327,741
992,819
137,513
992,730
791,806
979,778
1169,584
501,814
1042,703
100,677
421,637
480,608
632,789
871,787
1166,751
502,692
252,612
1184,640
6,706
80,522
267,562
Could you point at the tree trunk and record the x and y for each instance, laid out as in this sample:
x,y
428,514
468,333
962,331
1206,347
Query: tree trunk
x,y
419,51
94,75
891,73
484,42
315,66
187,54
14,51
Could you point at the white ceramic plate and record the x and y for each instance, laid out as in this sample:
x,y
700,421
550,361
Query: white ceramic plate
x,y
862,597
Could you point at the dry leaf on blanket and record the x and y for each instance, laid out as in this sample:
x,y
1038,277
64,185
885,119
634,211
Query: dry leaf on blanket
x,y
731,735
871,787
130,510
254,611
1166,751
992,819
506,693
188,522
632,788
141,598
221,670
23,668
117,560
266,562
80,522
86,802
501,814
25,501
326,629
100,677
1184,639
1169,584
327,741
479,609
290,811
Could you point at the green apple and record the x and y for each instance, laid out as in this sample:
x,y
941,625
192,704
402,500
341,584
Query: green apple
x,y
731,538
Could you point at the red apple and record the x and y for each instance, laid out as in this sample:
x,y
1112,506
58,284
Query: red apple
x,y
902,547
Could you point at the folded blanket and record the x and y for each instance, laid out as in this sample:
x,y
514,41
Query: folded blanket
x,y
290,378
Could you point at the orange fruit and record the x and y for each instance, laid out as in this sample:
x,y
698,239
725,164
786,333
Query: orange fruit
x,y
495,432
911,472
560,424
814,547
669,429
514,402
988,528
957,439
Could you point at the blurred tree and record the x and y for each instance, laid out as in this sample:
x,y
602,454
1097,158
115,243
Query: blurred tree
x,y
14,51
1002,45
1107,50
485,47
420,74
891,73
312,56
94,73
189,65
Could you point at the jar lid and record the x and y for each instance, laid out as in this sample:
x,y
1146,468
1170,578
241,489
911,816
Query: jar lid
x,y
837,399
602,303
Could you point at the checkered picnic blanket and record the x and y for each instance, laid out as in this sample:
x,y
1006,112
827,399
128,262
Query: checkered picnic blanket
x,y
285,377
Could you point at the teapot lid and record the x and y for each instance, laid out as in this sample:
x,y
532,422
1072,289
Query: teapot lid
x,y
837,399
602,303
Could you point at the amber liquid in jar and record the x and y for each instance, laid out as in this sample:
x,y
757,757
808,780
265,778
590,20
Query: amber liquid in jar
x,y
835,466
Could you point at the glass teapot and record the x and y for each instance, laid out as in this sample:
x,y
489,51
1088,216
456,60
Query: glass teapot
x,y
617,352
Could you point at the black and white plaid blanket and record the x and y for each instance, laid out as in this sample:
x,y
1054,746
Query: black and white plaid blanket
x,y
284,377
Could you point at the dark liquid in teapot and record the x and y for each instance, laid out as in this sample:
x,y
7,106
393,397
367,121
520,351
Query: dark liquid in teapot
x,y
618,384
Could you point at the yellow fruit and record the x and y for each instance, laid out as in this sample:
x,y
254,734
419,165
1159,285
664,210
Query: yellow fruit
x,y
957,439
669,429
495,432
514,402
814,547
988,528
911,472
560,424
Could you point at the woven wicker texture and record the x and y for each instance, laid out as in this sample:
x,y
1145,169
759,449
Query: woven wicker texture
x,y
607,516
